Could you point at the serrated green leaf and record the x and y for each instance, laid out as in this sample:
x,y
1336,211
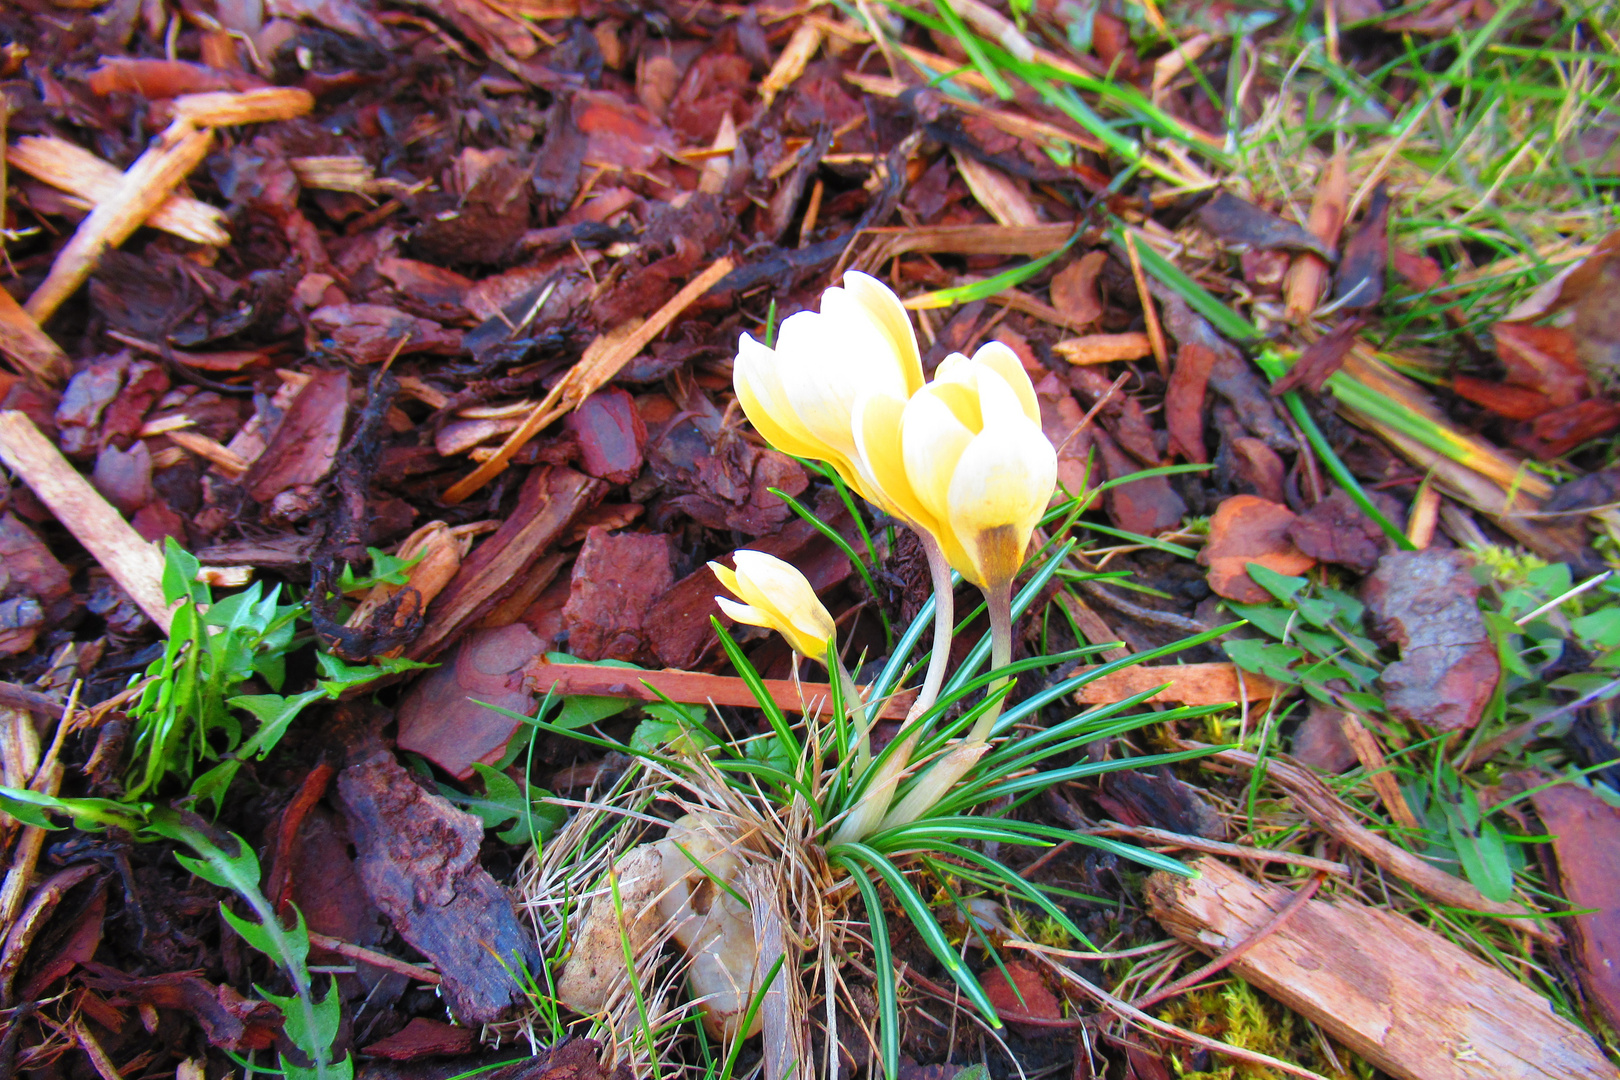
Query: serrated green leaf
x,y
1269,618
1601,628
1268,658
1281,586
180,574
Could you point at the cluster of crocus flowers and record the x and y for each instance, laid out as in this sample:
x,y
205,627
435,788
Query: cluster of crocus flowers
x,y
961,459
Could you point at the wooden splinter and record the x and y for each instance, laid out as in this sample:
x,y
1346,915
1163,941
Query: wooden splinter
x,y
136,565
92,181
142,189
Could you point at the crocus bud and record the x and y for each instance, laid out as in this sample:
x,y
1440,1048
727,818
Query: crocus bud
x,y
978,462
774,594
799,394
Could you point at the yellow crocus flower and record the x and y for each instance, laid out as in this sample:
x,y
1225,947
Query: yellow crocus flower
x,y
799,394
974,458
776,595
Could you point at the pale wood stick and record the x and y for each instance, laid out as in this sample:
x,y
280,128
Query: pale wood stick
x,y
1189,684
27,346
1402,997
226,108
136,565
693,687
142,189
1371,756
601,361
228,461
80,173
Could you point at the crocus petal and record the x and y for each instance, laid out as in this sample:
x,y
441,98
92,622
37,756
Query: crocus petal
x,y
999,358
1001,486
932,439
759,392
727,577
743,613
876,419
885,308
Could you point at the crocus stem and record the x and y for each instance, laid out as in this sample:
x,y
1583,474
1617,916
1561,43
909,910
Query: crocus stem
x,y
874,805
856,710
944,623
998,597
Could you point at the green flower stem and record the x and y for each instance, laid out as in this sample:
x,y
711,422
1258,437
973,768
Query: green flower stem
x,y
874,805
857,713
998,597
944,625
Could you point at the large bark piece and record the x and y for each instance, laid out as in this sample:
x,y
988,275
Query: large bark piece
x,y
1404,998
418,857
550,500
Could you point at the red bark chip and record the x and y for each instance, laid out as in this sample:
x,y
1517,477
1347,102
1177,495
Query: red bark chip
x,y
616,579
1184,401
611,435
1586,833
1025,997
440,717
424,1038
306,442
1425,602
1247,529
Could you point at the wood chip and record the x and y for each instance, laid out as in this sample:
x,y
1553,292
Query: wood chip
x,y
1402,997
601,361
549,501
228,461
1105,348
136,565
1188,684
29,347
141,190
692,687
226,109
1000,195
1329,813
790,63
92,181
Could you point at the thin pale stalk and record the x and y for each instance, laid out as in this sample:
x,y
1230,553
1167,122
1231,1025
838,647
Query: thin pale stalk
x,y
998,598
944,624
874,805
940,778
858,714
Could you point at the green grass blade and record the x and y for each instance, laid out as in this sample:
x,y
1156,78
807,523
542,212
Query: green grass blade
x,y
882,966
927,926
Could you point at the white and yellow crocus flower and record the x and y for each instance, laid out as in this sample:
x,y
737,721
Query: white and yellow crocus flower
x,y
967,456
776,595
799,394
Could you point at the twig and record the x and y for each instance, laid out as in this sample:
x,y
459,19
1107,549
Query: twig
x,y
696,687
1129,1012
47,780
29,347
141,190
93,181
1220,847
1151,616
1230,956
92,1049
135,564
375,958
1323,808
